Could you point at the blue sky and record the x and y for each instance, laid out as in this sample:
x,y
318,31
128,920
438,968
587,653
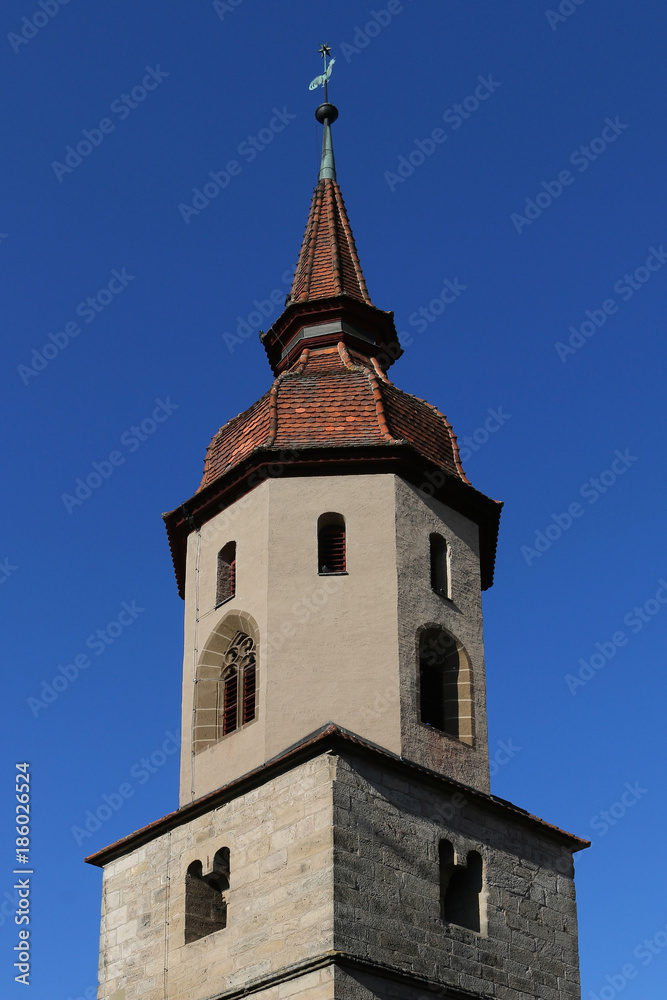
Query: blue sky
x,y
540,199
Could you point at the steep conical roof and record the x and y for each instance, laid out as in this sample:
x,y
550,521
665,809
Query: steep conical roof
x,y
329,301
328,262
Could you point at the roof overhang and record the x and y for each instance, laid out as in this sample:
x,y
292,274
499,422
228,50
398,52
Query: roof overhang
x,y
269,463
330,738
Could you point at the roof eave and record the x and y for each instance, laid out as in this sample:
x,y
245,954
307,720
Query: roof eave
x,y
401,459
329,737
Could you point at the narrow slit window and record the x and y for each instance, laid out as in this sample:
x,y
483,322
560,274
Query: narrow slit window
x,y
230,702
331,544
249,686
440,566
460,888
226,583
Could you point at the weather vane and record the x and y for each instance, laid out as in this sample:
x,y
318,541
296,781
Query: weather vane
x,y
322,81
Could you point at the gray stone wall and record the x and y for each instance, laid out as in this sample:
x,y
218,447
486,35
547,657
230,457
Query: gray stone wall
x,y
418,605
387,892
337,860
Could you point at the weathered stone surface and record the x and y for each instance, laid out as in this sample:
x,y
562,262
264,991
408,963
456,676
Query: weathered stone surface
x,y
354,872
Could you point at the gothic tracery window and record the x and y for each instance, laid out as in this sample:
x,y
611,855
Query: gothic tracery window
x,y
238,683
226,681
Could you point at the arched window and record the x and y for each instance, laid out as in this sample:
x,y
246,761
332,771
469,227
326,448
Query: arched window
x,y
460,888
440,566
226,584
445,684
331,544
205,902
226,681
238,676
238,699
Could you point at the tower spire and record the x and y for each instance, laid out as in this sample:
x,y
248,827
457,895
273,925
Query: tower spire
x,y
329,302
326,115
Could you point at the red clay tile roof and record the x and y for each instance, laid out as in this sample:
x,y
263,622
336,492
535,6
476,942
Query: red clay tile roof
x,y
328,262
330,398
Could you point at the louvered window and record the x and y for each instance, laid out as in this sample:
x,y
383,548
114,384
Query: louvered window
x,y
230,709
249,675
226,583
239,683
331,554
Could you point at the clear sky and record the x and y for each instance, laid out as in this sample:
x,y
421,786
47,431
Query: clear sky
x,y
511,150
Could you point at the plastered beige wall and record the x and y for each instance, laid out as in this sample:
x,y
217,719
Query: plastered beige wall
x,y
330,646
327,643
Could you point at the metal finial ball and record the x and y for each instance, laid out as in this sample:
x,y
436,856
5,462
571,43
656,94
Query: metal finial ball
x,y
326,112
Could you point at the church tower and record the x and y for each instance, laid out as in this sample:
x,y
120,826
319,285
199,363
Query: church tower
x,y
336,836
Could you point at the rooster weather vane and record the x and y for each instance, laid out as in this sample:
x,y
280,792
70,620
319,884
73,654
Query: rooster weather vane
x,y
323,79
